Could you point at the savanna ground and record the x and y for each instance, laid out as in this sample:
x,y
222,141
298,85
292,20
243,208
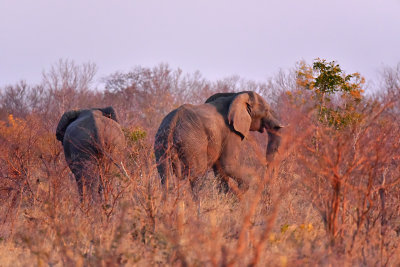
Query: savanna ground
x,y
330,197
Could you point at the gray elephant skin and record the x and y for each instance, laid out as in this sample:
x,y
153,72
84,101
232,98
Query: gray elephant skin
x,y
252,158
93,142
192,139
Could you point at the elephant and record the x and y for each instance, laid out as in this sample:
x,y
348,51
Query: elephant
x,y
192,139
93,141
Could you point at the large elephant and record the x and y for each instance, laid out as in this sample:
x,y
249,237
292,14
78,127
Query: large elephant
x,y
93,142
195,138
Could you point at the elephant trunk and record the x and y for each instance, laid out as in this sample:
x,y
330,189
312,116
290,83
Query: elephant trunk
x,y
270,123
274,140
272,126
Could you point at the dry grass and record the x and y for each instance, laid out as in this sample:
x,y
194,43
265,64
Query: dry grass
x,y
329,198
287,221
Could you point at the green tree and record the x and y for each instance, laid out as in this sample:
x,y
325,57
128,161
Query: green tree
x,y
327,80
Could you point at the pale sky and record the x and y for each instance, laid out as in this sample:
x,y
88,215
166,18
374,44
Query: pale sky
x,y
219,38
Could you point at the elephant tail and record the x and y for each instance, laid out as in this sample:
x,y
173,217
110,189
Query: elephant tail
x,y
65,120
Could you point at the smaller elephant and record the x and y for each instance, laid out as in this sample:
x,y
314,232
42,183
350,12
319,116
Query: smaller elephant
x,y
93,142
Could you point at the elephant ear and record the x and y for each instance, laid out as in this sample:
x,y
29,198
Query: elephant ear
x,y
109,112
238,116
66,120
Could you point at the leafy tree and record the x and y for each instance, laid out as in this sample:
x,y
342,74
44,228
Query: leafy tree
x,y
335,93
334,98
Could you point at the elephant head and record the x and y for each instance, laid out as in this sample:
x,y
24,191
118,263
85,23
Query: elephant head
x,y
248,111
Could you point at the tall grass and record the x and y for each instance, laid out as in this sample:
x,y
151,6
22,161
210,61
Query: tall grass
x,y
328,198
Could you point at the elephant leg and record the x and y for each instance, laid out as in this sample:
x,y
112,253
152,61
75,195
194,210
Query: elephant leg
x,y
222,178
240,174
94,186
102,178
87,180
231,166
101,189
195,195
193,186
77,170
165,167
162,170
90,187
79,182
189,162
92,181
193,166
194,172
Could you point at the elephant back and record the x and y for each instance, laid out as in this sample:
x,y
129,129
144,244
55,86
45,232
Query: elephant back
x,y
81,133
109,112
70,116
109,133
66,119
219,95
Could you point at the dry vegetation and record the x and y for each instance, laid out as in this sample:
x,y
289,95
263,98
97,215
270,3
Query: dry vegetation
x,y
331,196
